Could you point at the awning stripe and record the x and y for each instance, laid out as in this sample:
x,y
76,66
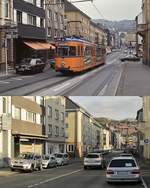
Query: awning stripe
x,y
40,45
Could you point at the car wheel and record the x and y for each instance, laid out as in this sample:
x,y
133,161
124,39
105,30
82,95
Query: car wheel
x,y
40,168
32,168
12,169
85,167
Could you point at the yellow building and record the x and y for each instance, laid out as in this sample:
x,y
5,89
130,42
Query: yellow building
x,y
83,133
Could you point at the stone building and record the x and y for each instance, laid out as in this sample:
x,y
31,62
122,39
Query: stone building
x,y
55,124
143,29
7,29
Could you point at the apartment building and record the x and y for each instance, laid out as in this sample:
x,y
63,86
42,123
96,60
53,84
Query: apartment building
x,y
7,29
143,29
28,129
29,15
83,133
55,19
5,129
78,23
55,124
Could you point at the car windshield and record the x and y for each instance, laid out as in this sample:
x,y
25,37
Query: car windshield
x,y
122,163
58,155
45,157
66,51
92,156
26,61
26,156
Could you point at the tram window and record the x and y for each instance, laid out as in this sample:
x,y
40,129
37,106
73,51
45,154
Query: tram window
x,y
88,51
79,51
62,51
72,51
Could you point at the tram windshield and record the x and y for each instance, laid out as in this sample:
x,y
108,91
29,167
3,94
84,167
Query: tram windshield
x,y
66,51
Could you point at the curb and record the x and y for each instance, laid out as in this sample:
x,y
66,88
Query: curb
x,y
144,183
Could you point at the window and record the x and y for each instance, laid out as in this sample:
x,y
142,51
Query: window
x,y
49,111
4,105
104,139
63,132
49,31
70,148
42,22
56,131
56,114
17,114
67,51
19,17
31,20
31,117
62,116
7,9
49,129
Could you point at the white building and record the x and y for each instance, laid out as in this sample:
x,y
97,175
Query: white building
x,y
55,124
5,130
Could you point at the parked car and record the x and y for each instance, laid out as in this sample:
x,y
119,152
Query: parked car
x,y
130,57
27,162
49,161
62,158
123,169
94,160
126,155
30,65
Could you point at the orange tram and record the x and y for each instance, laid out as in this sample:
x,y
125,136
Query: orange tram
x,y
77,55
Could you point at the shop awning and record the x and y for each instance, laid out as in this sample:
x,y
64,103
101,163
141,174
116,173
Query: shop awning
x,y
40,45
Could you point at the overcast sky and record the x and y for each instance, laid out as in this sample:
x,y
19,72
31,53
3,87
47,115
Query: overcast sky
x,y
111,107
112,9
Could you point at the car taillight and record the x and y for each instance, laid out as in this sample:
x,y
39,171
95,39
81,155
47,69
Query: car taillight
x,y
110,172
136,172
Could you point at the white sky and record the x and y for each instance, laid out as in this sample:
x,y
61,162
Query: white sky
x,y
112,9
111,107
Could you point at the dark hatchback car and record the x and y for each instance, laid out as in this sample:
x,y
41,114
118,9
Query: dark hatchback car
x,y
30,65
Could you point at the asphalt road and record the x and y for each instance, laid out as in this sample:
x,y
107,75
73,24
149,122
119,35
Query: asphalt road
x,y
68,176
103,80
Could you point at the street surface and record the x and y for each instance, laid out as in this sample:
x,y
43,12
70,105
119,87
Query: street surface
x,y
114,78
68,176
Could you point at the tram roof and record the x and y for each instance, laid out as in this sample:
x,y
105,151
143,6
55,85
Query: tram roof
x,y
73,39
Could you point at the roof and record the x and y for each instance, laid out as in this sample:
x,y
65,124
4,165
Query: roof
x,y
69,7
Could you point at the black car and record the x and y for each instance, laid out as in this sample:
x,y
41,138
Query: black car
x,y
30,65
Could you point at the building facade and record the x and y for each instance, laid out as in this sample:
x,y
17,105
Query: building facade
x,y
78,23
5,130
7,29
143,29
28,128
29,15
55,11
55,124
82,131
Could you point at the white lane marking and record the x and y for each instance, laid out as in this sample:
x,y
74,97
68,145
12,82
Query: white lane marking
x,y
144,184
17,79
4,82
102,92
61,87
118,81
55,178
26,76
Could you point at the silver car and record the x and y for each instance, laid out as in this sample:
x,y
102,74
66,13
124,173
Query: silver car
x,y
94,160
27,162
62,158
123,169
49,161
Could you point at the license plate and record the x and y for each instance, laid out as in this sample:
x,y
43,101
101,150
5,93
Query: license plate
x,y
123,173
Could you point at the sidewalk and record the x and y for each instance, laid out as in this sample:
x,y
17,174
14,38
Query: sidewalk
x,y
134,80
4,172
145,168
3,75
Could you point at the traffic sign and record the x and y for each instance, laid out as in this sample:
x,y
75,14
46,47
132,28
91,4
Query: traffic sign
x,y
146,141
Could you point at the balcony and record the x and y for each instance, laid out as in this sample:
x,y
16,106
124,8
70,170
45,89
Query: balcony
x,y
141,28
